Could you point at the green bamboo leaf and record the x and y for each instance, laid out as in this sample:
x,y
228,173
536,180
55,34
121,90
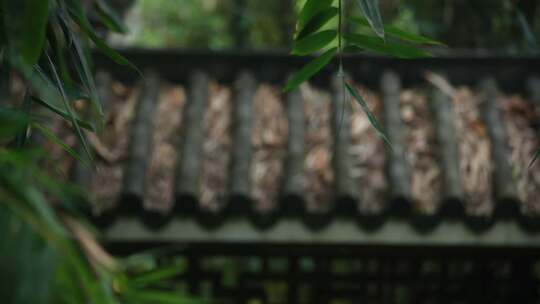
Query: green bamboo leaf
x,y
112,54
85,74
310,69
395,32
12,121
386,47
84,124
370,9
53,138
21,138
109,17
73,91
67,105
527,31
372,119
49,96
314,42
77,14
41,85
80,60
48,93
310,9
25,23
29,200
156,276
317,22
535,157
48,90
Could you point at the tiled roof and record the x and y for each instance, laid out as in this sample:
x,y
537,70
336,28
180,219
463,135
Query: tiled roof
x,y
211,137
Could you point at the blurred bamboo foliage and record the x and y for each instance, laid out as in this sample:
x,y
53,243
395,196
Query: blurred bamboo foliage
x,y
49,253
503,26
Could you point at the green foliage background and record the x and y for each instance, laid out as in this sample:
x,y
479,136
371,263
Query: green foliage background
x,y
488,24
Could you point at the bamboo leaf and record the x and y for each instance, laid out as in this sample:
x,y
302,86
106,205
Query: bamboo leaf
x,y
86,125
109,17
73,119
535,157
310,9
310,69
372,119
25,23
42,85
317,22
82,66
314,42
21,138
12,121
395,32
386,47
156,276
85,74
53,138
50,97
77,13
370,9
527,31
28,198
48,93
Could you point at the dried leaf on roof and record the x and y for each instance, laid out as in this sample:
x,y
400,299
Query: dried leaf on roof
x,y
519,117
269,139
318,162
216,147
475,155
421,151
160,174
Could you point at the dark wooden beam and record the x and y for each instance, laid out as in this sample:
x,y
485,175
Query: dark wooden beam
x,y
533,89
245,87
191,139
448,151
398,168
140,140
294,183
